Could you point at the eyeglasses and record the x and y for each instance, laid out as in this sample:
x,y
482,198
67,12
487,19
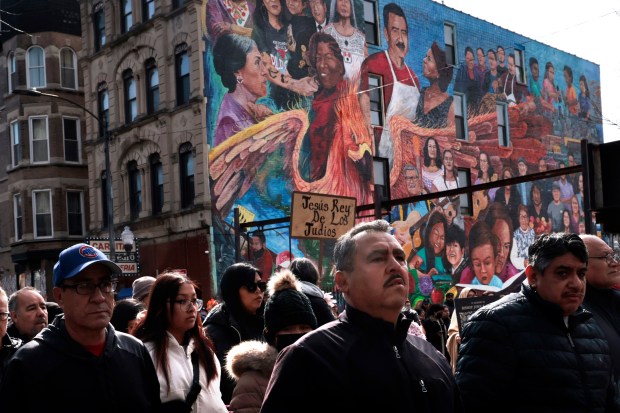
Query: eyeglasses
x,y
187,304
4,316
611,258
87,288
253,286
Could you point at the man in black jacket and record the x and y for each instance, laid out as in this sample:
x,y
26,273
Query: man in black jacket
x,y
365,361
538,350
602,299
8,344
80,363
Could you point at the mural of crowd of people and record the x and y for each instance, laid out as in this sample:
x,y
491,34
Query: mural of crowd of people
x,y
292,108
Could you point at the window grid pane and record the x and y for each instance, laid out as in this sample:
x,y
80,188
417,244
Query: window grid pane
x,y
40,151
17,213
16,144
36,67
70,129
67,69
74,213
43,213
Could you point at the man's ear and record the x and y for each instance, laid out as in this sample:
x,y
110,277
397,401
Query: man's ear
x,y
342,281
532,276
57,291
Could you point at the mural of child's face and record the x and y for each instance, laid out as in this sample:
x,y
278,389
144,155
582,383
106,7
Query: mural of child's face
x,y
438,238
524,220
542,166
329,68
344,8
402,235
574,204
556,194
454,253
566,218
492,60
483,262
273,7
502,231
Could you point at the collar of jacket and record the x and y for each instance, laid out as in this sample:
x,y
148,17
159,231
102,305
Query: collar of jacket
x,y
9,342
553,311
364,321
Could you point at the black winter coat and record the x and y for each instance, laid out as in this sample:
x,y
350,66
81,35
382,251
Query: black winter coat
x,y
361,364
55,373
518,355
225,331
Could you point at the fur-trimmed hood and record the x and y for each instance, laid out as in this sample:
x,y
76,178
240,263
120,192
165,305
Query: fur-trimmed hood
x,y
251,355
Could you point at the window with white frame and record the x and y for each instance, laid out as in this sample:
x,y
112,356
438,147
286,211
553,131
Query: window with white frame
x,y
375,92
39,141
503,133
35,67
75,213
68,69
371,22
520,65
126,16
449,38
16,145
42,213
17,216
12,71
71,133
460,116
131,96
99,26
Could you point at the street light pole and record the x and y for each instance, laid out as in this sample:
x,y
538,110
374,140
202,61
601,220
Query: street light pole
x,y
102,123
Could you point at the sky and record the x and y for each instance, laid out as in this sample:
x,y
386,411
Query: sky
x,y
589,30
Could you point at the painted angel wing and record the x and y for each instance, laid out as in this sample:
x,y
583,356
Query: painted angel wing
x,y
234,163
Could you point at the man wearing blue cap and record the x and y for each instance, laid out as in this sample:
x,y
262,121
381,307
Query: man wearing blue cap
x,y
80,363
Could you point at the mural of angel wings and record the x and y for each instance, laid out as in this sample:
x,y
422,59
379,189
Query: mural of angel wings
x,y
235,163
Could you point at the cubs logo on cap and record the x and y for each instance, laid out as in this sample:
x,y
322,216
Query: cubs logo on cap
x,y
77,258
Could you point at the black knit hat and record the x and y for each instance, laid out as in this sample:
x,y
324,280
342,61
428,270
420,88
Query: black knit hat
x,y
286,305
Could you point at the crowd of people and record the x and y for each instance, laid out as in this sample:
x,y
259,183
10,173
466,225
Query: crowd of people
x,y
261,349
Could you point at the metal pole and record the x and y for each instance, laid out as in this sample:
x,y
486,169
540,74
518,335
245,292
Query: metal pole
x,y
108,180
237,233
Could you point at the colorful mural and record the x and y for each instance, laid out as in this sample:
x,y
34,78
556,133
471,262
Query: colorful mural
x,y
301,96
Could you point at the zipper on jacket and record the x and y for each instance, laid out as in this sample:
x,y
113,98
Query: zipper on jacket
x,y
423,386
570,339
396,353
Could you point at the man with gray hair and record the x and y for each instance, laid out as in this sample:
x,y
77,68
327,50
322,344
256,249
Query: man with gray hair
x,y
365,360
538,349
28,314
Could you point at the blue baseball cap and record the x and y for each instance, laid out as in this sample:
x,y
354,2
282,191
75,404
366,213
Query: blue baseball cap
x,y
78,257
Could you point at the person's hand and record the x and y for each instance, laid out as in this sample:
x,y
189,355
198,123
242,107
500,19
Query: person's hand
x,y
259,111
458,338
432,272
222,28
306,86
416,262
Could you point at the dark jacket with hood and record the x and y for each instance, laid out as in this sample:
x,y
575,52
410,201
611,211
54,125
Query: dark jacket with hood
x,y
321,310
361,364
55,373
227,331
518,355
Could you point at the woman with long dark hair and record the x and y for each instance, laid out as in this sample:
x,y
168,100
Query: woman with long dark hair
x,y
239,317
432,166
435,108
175,339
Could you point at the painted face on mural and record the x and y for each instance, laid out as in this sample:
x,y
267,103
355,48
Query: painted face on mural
x,y
256,244
502,231
254,74
522,168
536,198
397,37
551,74
524,220
319,10
469,60
542,166
429,67
582,86
454,253
484,163
580,183
273,7
483,262
501,56
492,61
574,204
534,70
329,68
481,59
343,7
412,179
448,160
432,148
512,69
438,238
295,7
